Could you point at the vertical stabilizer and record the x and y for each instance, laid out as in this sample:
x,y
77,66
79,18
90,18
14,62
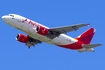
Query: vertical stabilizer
x,y
87,36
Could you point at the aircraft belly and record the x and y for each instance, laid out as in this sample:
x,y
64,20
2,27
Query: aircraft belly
x,y
74,46
41,37
64,40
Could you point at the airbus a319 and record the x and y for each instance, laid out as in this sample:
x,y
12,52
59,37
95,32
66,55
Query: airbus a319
x,y
38,33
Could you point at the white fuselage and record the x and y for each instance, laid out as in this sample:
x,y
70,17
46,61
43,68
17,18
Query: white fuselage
x,y
24,24
41,33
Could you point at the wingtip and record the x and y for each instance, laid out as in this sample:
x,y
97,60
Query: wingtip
x,y
88,24
100,44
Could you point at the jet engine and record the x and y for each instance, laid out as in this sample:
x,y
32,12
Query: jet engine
x,y
22,38
46,32
42,30
29,41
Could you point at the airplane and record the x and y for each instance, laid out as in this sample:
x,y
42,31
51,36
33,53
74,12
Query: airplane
x,y
38,33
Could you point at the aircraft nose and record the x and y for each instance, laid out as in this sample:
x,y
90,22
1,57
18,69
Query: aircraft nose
x,y
4,18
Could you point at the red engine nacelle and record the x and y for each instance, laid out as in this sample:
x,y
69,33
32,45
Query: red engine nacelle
x,y
42,30
22,38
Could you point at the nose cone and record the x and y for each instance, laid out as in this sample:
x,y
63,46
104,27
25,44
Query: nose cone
x,y
4,18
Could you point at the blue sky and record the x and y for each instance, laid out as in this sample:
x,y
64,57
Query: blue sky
x,y
52,13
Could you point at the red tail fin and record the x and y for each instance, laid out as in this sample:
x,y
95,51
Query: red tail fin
x,y
87,36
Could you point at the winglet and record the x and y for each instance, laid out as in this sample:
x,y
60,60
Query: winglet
x,y
88,24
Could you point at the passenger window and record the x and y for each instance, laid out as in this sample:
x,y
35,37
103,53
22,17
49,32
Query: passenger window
x,y
12,16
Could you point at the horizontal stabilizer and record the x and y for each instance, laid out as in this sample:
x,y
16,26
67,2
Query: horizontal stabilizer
x,y
91,45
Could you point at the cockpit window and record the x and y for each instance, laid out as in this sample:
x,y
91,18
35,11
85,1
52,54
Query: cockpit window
x,y
11,15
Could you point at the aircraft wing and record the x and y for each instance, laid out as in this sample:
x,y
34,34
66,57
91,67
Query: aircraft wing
x,y
91,45
66,29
